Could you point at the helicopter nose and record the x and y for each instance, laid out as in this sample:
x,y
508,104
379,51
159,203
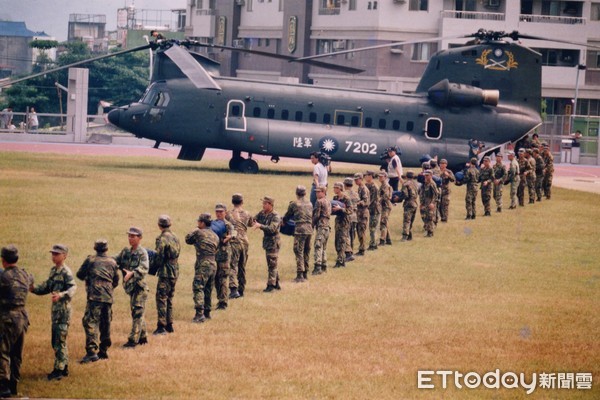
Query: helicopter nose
x,y
114,117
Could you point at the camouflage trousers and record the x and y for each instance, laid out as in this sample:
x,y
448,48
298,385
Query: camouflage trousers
x,y
302,252
342,238
222,281
547,185
59,345
202,285
470,201
531,187
498,195
408,220
444,207
373,224
137,303
96,323
486,198
384,232
272,256
428,215
361,229
521,190
13,326
237,264
321,238
350,237
514,187
539,182
165,291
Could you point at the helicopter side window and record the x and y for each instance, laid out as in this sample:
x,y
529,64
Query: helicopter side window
x,y
396,125
410,126
235,111
340,119
285,115
162,99
326,118
270,113
298,116
433,128
312,117
382,123
355,120
368,122
256,112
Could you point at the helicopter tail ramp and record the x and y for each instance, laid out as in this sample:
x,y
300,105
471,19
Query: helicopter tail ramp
x,y
513,70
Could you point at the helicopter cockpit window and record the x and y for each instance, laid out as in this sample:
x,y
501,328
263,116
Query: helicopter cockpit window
x,y
156,97
162,99
433,128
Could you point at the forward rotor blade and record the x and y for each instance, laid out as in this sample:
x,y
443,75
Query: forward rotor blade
x,y
320,64
524,36
191,68
75,64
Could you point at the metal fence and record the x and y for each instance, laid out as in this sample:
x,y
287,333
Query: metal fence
x,y
48,123
557,128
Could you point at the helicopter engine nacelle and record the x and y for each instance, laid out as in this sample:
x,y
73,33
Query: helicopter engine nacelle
x,y
446,94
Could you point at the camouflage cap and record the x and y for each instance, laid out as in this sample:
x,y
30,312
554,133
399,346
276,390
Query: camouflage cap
x,y
521,150
425,165
220,207
486,158
536,150
510,153
268,199
164,221
474,160
134,230
349,182
382,173
60,249
432,163
101,245
544,144
529,151
499,155
410,175
9,252
321,189
300,190
205,217
358,175
338,185
425,173
443,161
237,198
369,173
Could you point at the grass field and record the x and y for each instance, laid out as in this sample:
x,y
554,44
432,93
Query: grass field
x,y
518,292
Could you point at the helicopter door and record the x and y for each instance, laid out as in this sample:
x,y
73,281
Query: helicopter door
x,y
433,132
235,120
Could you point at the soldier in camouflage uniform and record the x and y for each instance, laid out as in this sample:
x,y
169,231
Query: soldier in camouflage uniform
x,y
166,263
320,222
486,178
548,171
447,177
531,176
342,223
471,180
374,208
523,172
100,273
362,212
223,258
513,176
539,173
411,194
206,242
269,221
14,321
499,179
301,211
62,286
241,220
134,264
353,196
385,200
428,197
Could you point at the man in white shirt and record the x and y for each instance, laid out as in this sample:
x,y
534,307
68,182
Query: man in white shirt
x,y
319,176
394,170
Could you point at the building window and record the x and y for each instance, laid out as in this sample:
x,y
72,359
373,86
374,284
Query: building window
x,y
595,12
352,5
249,5
422,51
329,7
418,5
593,59
559,57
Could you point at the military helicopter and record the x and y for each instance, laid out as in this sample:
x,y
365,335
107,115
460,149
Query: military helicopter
x,y
488,90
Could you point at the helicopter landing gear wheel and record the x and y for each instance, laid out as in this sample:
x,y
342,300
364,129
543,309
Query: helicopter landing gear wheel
x,y
249,166
235,163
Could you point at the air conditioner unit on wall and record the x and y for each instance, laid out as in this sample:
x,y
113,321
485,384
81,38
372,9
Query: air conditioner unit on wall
x,y
492,3
399,1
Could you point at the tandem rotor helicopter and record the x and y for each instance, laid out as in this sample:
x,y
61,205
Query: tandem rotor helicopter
x,y
488,90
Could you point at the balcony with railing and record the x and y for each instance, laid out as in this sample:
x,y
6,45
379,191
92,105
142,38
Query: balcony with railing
x,y
552,19
476,15
329,10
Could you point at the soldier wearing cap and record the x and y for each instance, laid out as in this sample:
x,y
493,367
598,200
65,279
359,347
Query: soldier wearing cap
x,y
353,196
166,263
447,178
342,223
206,243
385,200
428,197
100,273
486,178
499,178
374,208
394,169
471,180
435,168
523,172
300,211
531,176
320,222
223,258
410,191
61,285
241,221
14,286
268,221
362,212
134,264
548,170
513,177
539,173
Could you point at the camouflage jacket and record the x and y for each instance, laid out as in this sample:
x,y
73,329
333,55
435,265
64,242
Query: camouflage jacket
x,y
168,249
513,171
486,175
14,287
499,172
364,199
471,178
321,213
411,193
270,226
531,162
241,220
539,165
136,261
60,281
344,217
523,166
428,194
374,205
224,249
354,199
100,275
447,177
206,243
385,196
301,212
549,161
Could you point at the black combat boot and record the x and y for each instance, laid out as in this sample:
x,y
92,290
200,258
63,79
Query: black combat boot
x,y
102,354
207,314
305,275
4,389
143,341
160,330
129,345
317,270
409,237
66,370
222,305
388,241
487,214
233,293
169,328
200,317
324,268
299,277
360,253
55,375
372,247
12,385
269,289
404,238
381,242
89,357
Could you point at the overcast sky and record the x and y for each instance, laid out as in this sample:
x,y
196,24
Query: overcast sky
x,y
52,16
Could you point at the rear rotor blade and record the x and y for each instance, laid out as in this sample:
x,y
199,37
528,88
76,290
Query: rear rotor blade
x,y
525,36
